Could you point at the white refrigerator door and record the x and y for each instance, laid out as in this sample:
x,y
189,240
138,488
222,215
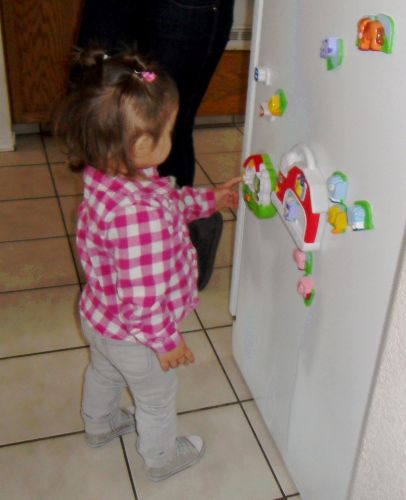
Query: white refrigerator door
x,y
311,369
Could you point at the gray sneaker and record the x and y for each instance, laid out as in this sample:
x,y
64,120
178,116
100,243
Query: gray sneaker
x,y
189,450
126,425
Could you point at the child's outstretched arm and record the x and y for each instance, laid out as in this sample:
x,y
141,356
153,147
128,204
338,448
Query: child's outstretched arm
x,y
225,194
202,202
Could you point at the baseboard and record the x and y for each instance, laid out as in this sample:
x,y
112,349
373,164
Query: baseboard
x,y
7,142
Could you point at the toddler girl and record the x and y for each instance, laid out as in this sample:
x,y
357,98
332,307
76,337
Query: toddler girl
x,y
133,242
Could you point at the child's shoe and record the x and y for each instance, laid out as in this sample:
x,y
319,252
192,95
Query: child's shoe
x,y
189,450
126,425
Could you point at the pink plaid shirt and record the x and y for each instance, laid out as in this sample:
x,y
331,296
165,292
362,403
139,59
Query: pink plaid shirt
x,y
140,265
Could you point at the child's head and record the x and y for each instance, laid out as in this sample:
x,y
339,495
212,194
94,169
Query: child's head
x,y
120,113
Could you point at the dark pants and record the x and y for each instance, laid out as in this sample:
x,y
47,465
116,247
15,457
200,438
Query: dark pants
x,y
187,37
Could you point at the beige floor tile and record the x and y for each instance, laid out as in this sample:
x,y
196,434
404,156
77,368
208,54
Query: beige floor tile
x,y
214,300
36,264
221,338
70,207
30,219
29,151
54,150
190,323
203,383
220,167
228,215
82,276
224,256
39,320
217,140
43,395
25,182
67,182
64,469
270,448
233,466
201,178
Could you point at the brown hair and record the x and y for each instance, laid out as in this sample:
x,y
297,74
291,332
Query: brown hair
x,y
110,105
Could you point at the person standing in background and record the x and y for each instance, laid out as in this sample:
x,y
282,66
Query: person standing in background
x,y
187,37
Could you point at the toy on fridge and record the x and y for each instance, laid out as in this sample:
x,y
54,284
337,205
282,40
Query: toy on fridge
x,y
262,74
332,49
305,287
376,33
360,216
276,105
300,197
259,180
337,217
337,186
303,260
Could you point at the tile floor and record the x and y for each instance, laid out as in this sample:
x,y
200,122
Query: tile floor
x,y
42,354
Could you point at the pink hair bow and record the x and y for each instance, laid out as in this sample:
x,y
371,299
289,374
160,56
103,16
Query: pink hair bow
x,y
148,76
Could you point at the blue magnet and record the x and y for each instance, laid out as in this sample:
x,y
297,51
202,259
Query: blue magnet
x,y
337,186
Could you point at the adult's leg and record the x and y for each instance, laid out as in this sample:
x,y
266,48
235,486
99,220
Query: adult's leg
x,y
188,38
109,23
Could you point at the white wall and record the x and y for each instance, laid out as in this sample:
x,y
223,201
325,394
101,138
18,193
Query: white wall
x,y
381,470
7,140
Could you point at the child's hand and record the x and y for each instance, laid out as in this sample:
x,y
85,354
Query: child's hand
x,y
226,196
181,355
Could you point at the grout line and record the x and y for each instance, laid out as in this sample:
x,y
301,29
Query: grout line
x,y
263,451
209,126
242,409
41,238
85,346
285,497
217,327
56,436
36,440
36,289
204,171
61,213
208,408
31,198
22,165
127,463
28,354
25,240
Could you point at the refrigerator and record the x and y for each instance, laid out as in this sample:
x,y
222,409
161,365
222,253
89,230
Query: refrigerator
x,y
326,104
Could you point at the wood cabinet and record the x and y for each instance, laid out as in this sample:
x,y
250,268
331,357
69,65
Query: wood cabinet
x,y
38,39
227,91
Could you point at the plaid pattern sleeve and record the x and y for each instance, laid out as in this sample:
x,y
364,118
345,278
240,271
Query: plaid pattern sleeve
x,y
141,240
196,203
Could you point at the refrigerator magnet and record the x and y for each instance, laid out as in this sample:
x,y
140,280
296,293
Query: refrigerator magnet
x,y
301,198
376,33
259,180
332,49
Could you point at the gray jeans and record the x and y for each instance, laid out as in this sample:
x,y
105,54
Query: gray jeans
x,y
116,364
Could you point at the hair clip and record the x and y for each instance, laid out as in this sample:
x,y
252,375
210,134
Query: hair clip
x,y
148,76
